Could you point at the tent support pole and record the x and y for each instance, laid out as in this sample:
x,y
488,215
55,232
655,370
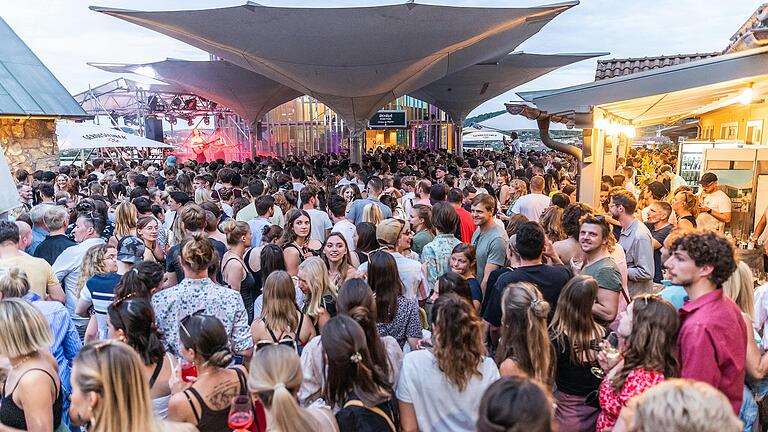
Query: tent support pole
x,y
356,144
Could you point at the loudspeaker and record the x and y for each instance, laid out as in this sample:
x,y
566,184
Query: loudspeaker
x,y
153,129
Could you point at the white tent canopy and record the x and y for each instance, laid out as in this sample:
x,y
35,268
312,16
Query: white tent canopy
x,y
77,136
353,59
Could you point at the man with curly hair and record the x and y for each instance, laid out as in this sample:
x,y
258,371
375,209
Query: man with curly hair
x,y
713,336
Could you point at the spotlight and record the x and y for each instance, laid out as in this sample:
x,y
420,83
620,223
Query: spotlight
x,y
206,120
176,102
190,104
152,103
190,122
212,105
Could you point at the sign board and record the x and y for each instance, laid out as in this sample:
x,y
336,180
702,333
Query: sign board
x,y
388,119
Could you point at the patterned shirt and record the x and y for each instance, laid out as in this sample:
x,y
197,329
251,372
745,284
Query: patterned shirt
x,y
436,255
192,295
638,381
407,323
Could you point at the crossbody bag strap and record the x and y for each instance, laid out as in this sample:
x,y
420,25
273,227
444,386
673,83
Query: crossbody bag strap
x,y
358,403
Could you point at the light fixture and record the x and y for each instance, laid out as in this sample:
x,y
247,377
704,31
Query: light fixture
x,y
206,120
745,98
190,122
176,102
629,131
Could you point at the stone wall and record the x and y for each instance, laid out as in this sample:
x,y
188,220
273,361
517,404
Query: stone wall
x,y
29,143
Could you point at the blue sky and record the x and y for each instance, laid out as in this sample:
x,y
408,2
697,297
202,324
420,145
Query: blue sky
x,y
65,34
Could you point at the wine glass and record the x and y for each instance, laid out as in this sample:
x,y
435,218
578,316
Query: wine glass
x,y
240,414
610,346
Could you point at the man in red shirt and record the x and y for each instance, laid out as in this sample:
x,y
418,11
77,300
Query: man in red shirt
x,y
713,336
466,226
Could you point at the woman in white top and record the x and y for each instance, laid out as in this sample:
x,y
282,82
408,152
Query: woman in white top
x,y
274,380
356,300
132,321
440,389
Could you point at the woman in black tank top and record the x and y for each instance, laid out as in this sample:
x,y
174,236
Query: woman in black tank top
x,y
235,274
685,204
296,244
206,403
32,390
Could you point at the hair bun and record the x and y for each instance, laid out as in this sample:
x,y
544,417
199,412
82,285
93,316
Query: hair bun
x,y
221,358
360,313
540,308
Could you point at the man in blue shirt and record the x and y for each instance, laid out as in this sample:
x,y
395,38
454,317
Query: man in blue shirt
x,y
374,188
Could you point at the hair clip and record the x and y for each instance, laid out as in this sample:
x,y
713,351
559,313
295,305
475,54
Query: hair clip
x,y
535,302
356,357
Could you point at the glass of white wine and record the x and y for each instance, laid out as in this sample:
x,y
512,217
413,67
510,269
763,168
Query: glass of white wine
x,y
611,346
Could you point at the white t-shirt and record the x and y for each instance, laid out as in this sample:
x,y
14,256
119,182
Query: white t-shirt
x,y
439,404
320,223
347,229
718,201
531,206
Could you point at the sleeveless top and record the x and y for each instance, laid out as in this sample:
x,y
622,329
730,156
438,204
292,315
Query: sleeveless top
x,y
257,282
159,405
301,252
297,338
690,219
13,416
210,420
247,288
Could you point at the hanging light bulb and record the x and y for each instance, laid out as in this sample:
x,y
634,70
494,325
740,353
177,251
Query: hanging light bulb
x,y
745,98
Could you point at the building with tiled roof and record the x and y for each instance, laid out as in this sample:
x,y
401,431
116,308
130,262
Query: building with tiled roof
x,y
619,67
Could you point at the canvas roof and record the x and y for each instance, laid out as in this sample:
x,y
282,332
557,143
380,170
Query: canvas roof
x,y
247,93
462,91
27,87
353,59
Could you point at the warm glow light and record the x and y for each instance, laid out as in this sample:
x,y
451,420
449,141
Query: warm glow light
x,y
745,98
629,131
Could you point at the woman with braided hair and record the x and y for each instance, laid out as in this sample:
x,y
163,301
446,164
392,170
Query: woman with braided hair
x,y
441,388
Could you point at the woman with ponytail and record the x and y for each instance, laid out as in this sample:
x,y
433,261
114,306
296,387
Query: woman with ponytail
x,y
441,388
524,348
142,281
274,380
206,402
354,382
131,320
356,301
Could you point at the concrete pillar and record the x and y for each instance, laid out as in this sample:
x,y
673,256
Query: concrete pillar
x,y
356,145
458,144
591,168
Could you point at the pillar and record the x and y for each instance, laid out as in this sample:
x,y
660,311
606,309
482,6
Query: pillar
x,y
356,145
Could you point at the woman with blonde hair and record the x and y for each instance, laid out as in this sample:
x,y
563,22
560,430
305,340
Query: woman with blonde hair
x,y
686,207
202,195
524,348
126,217
236,275
576,336
319,292
32,394
517,188
98,260
110,391
739,288
274,381
372,213
280,318
441,388
680,405
552,222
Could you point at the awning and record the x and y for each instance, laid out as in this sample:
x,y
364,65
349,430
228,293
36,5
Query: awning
x,y
243,91
76,136
461,92
667,95
353,59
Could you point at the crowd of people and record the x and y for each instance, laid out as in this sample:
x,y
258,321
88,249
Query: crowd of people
x,y
417,291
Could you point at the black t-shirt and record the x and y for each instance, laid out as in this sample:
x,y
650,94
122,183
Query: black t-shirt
x,y
659,236
361,419
50,248
548,278
492,279
172,264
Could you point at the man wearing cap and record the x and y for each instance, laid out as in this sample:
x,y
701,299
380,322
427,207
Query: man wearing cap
x,y
715,207
389,233
99,290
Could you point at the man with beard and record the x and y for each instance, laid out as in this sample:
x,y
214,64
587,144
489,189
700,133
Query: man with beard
x,y
596,242
490,240
636,240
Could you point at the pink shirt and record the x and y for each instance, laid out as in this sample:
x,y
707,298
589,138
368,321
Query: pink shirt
x,y
611,403
713,344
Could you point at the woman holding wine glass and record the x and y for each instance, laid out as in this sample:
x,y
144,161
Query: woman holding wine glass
x,y
206,402
576,337
647,355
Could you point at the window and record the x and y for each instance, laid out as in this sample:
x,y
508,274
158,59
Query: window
x,y
754,132
729,131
